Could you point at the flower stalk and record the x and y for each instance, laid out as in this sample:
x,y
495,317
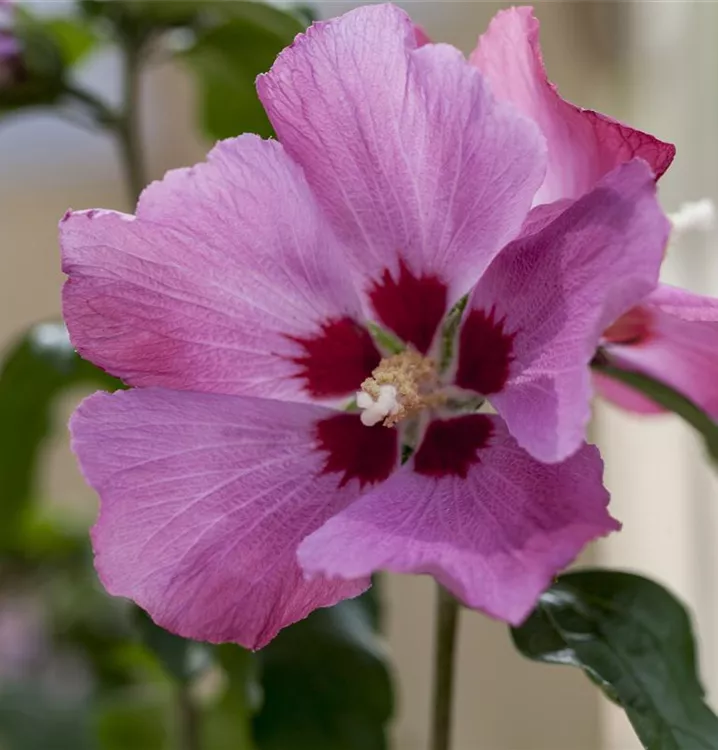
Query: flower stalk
x,y
128,124
187,720
447,619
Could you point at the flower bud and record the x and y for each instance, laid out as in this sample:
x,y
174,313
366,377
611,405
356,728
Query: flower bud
x,y
31,67
12,70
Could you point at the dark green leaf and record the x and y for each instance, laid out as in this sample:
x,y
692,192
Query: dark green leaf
x,y
669,399
326,684
37,370
74,37
634,639
227,60
307,13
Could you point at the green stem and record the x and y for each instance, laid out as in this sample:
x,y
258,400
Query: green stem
x,y
188,719
128,126
447,618
100,113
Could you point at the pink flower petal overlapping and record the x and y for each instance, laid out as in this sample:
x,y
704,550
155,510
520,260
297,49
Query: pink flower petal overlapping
x,y
237,493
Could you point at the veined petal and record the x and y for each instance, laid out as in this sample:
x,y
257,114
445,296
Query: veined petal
x,y
228,280
204,499
422,173
583,145
476,512
677,344
534,320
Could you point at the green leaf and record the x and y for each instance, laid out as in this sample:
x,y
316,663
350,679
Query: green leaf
x,y
327,684
227,60
74,37
669,399
135,719
284,23
635,640
307,13
37,370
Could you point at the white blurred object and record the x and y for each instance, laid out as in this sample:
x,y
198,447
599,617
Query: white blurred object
x,y
694,216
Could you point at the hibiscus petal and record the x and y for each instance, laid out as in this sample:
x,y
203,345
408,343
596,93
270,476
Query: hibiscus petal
x,y
424,176
204,499
228,281
583,145
679,347
534,320
493,525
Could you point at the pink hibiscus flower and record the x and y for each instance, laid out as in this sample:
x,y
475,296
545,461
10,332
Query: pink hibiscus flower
x,y
237,491
673,334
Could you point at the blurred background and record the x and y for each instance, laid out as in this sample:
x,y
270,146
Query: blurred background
x,y
653,64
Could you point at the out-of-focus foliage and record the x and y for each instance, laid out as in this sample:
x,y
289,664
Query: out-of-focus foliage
x,y
75,38
352,691
635,641
227,59
35,373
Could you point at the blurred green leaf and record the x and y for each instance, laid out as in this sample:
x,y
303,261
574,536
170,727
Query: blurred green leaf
x,y
37,370
669,399
181,658
283,23
227,60
74,37
35,717
306,13
327,684
136,719
634,640
227,723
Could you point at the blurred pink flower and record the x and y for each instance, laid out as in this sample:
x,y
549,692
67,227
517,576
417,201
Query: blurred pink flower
x,y
671,336
236,498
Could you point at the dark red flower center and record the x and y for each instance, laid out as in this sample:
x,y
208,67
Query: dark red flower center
x,y
411,306
451,446
485,352
368,454
337,359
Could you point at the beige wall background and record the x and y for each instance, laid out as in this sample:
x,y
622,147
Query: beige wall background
x,y
651,63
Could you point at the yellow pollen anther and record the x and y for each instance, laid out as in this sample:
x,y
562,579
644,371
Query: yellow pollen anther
x,y
402,385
